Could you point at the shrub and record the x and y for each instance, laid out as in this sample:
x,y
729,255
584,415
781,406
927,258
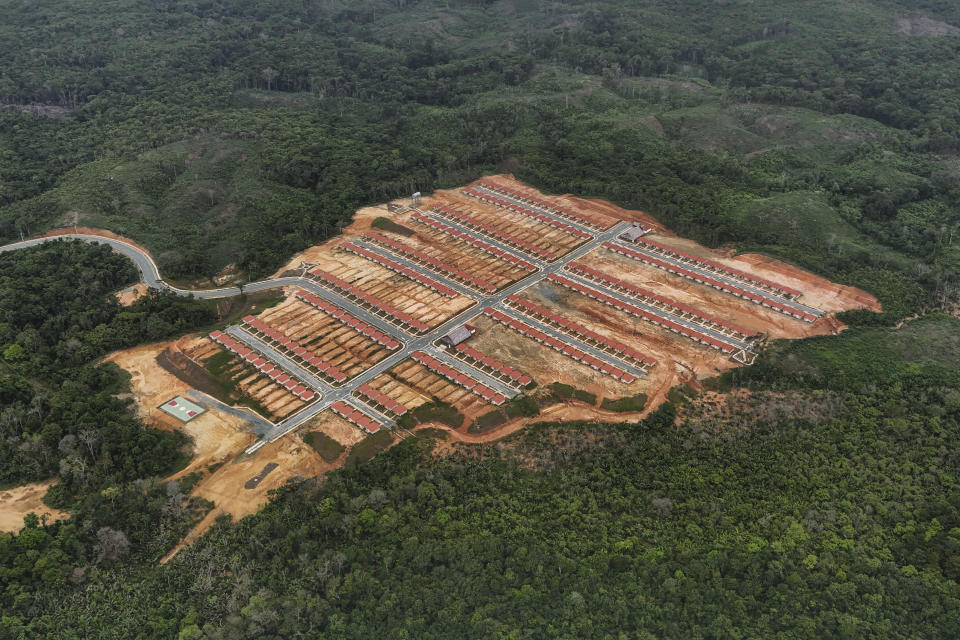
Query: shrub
x,y
436,411
387,224
370,446
627,403
328,448
562,391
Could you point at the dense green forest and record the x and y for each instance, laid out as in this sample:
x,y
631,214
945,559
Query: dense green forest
x,y
837,515
234,133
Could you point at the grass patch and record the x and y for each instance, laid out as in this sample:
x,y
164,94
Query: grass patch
x,y
521,406
218,366
488,421
328,448
432,433
436,411
189,481
626,403
562,392
247,401
370,446
857,359
231,309
387,224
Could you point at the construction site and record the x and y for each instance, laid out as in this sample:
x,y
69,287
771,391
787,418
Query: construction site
x,y
467,303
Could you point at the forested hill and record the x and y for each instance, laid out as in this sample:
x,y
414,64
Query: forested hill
x,y
812,495
237,132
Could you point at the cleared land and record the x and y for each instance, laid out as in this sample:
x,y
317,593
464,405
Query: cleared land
x,y
549,298
468,245
17,502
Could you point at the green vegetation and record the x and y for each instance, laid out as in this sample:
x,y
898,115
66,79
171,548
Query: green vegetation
x,y
433,411
62,417
389,225
560,392
519,406
859,359
225,136
432,433
366,449
223,382
626,403
848,521
328,448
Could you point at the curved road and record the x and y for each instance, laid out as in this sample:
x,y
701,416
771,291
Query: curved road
x,y
151,277
148,268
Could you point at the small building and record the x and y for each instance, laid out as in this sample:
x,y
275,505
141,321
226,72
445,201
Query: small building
x,y
636,230
458,335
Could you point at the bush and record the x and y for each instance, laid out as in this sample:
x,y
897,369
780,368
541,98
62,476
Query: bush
x,y
370,446
627,403
387,224
520,406
562,391
436,411
328,448
488,421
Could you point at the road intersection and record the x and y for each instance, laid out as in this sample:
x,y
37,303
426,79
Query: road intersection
x,y
328,393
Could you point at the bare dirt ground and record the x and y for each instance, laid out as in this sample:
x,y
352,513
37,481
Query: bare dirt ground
x,y
17,502
709,300
360,225
219,438
128,296
224,485
193,352
924,26
217,435
817,292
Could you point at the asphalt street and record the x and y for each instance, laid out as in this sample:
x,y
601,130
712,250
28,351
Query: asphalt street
x,y
720,276
330,394
596,352
572,223
690,324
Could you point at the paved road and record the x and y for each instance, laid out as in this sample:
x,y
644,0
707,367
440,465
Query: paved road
x,y
720,276
423,343
279,358
441,277
152,278
719,335
478,375
489,239
259,424
572,223
148,269
598,353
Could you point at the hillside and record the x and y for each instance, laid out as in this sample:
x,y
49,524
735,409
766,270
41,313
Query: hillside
x,y
812,493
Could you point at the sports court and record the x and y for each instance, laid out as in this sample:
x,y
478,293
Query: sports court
x,y
181,409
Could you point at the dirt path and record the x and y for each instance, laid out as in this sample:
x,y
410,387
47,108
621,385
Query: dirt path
x,y
17,502
224,486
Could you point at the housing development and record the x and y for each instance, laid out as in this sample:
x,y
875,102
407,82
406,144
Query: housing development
x,y
474,296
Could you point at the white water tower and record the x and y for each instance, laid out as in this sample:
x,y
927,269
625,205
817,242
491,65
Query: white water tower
x,y
416,198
